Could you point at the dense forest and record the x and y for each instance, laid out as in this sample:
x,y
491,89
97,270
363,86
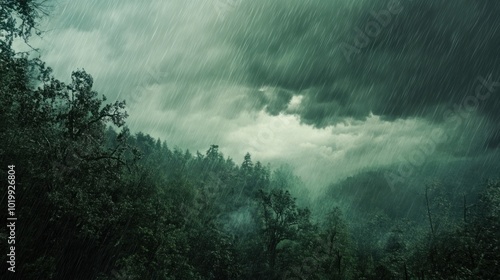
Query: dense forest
x,y
95,201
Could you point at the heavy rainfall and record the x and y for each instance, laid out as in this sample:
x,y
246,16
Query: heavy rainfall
x,y
250,139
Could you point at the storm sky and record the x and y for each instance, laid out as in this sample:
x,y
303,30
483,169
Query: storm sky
x,y
331,87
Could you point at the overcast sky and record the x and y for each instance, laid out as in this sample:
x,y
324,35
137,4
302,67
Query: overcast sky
x,y
331,87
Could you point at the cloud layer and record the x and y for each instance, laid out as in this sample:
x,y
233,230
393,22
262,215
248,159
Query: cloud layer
x,y
327,85
427,55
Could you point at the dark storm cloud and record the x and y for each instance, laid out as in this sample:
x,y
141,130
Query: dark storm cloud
x,y
242,76
428,56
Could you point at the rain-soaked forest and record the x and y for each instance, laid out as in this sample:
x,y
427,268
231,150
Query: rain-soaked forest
x,y
233,139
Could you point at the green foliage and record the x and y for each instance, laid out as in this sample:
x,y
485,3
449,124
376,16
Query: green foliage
x,y
18,18
279,219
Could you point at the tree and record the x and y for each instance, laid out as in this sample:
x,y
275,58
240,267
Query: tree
x,y
280,220
337,256
56,137
18,18
247,164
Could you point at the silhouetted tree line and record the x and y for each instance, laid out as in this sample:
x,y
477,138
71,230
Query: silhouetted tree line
x,y
95,202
